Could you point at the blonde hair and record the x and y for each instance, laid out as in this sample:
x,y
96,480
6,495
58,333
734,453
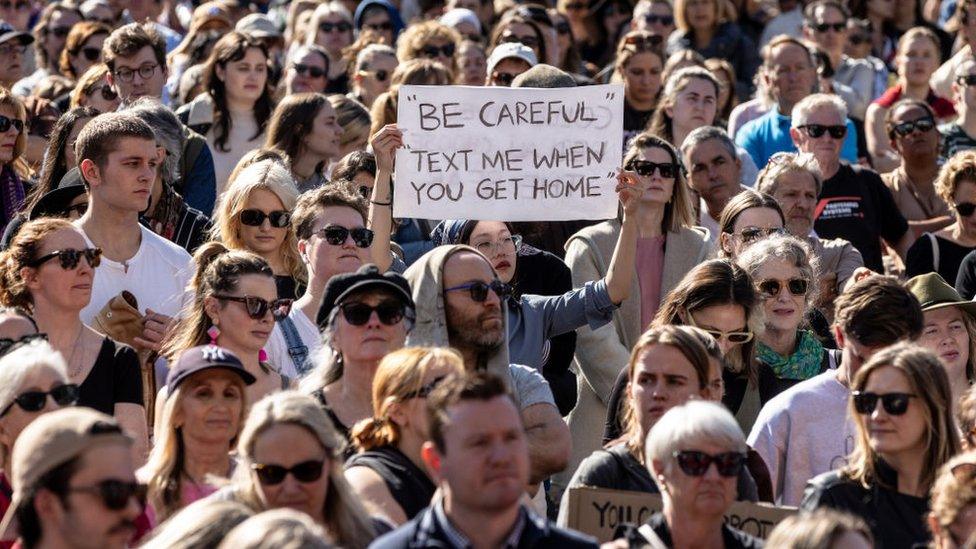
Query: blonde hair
x,y
951,495
724,13
400,373
354,119
324,10
270,176
959,168
95,74
415,37
816,530
277,529
345,518
202,523
783,163
678,211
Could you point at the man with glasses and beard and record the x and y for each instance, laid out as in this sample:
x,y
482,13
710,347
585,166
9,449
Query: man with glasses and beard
x,y
74,483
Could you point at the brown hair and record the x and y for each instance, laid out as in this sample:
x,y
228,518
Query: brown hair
x,y
83,87
102,134
23,249
80,33
310,204
293,119
959,168
966,417
746,200
10,99
951,495
724,12
128,40
480,386
678,211
40,28
889,119
878,311
415,37
634,43
661,123
514,17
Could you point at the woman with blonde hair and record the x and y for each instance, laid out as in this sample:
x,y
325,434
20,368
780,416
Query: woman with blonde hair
x,y
899,402
275,529
821,529
14,169
289,456
254,214
305,127
331,27
430,40
387,473
200,525
689,101
93,90
954,503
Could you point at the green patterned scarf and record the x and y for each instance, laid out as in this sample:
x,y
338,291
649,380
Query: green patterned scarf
x,y
804,363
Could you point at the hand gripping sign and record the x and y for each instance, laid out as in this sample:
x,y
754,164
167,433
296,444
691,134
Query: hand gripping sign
x,y
508,154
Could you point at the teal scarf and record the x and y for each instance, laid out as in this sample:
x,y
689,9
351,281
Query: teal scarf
x,y
804,363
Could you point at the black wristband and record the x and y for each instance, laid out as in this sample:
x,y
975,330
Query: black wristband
x,y
390,203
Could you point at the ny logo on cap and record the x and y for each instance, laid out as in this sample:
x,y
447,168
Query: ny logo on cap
x,y
214,354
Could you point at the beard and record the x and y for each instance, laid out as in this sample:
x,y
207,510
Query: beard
x,y
465,330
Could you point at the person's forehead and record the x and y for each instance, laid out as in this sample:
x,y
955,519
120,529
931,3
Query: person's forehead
x,y
707,150
144,55
339,215
789,52
467,265
107,460
908,112
134,146
796,180
824,113
310,58
473,417
828,14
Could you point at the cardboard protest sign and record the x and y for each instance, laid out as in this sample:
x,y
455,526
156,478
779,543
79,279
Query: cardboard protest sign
x,y
598,512
508,154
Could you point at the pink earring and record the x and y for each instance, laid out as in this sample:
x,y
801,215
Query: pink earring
x,y
262,356
214,333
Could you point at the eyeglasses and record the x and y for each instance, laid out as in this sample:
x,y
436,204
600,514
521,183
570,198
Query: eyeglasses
x,y
430,52
69,258
527,41
666,20
858,39
279,219
425,390
503,78
509,244
696,464
115,494
257,307
34,401
379,75
313,72
906,128
895,404
91,54
145,72
337,235
817,130
7,344
379,27
60,32
751,234
647,168
967,80
824,27
772,287
19,6
737,337
389,312
78,209
479,290
6,123
107,92
10,48
965,209
306,471
341,26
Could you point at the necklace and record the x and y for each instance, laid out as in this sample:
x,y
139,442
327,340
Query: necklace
x,y
73,370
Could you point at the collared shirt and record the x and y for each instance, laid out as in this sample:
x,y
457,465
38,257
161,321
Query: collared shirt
x,y
770,134
459,540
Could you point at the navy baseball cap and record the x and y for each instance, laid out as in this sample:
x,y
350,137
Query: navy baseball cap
x,y
205,357
368,277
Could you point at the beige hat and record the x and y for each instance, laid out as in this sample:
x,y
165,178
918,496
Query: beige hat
x,y
52,440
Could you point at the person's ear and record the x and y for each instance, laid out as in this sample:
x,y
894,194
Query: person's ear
x,y
838,336
725,242
432,460
48,506
935,527
210,307
398,414
221,72
6,436
796,136
669,110
303,249
160,154
29,276
89,170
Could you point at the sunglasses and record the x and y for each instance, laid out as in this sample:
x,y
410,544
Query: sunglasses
x,y
666,20
115,494
6,123
772,287
430,52
646,168
91,54
965,209
858,39
425,390
313,72
257,307
479,290
337,235
906,128
696,464
824,27
380,75
503,78
34,401
107,92
70,258
527,41
967,80
751,234
255,218
358,314
817,130
306,471
341,26
895,404
7,344
384,26
60,32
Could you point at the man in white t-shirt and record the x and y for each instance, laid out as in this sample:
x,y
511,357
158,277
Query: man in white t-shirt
x,y
118,158
805,430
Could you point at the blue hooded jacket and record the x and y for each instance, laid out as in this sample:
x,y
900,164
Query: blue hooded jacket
x,y
390,9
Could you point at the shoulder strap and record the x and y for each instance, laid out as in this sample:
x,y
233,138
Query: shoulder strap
x,y
935,252
297,349
652,538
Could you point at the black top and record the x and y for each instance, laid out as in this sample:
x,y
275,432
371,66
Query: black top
x,y
343,430
731,538
856,205
410,487
966,279
287,287
895,519
635,121
114,378
339,84
920,259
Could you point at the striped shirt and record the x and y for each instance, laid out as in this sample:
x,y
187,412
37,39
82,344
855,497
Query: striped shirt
x,y
955,139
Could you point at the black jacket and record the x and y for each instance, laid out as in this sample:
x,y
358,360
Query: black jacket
x,y
731,538
424,531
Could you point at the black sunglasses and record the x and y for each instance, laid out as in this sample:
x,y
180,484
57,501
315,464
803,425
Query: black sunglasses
x,y
34,401
696,464
858,39
341,26
313,72
6,122
380,75
257,307
425,390
70,258
337,235
895,404
967,80
447,50
750,234
108,93
965,209
255,218
115,494
906,128
527,41
60,32
358,314
772,287
306,471
817,130
666,20
479,290
824,27
7,344
384,26
646,168
91,54
643,41
503,78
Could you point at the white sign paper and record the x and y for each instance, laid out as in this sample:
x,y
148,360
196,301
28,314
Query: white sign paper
x,y
508,154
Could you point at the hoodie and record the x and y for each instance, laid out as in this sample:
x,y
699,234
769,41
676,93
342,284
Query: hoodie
x,y
395,18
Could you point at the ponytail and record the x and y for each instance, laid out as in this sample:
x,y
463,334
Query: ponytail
x,y
372,433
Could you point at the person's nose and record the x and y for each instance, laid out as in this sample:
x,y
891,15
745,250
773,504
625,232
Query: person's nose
x,y
712,472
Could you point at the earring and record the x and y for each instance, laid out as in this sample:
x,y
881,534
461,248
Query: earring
x,y
213,332
262,356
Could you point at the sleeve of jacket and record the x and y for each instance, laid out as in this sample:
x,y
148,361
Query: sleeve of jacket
x,y
850,260
201,183
588,305
600,352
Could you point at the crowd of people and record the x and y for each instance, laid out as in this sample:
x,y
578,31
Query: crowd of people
x,y
215,334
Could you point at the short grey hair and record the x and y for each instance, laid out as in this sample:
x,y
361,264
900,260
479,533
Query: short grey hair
x,y
789,249
168,129
694,422
810,103
705,133
783,163
23,360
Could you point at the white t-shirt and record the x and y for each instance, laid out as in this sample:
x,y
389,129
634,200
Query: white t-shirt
x,y
277,346
803,432
158,275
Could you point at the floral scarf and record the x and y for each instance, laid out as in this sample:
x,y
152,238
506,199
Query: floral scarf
x,y
167,214
804,363
12,189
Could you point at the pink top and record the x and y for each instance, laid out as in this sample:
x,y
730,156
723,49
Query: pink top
x,y
189,492
650,269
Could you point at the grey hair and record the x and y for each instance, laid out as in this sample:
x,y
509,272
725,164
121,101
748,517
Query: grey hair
x,y
17,364
168,129
202,523
810,103
786,248
277,529
370,50
696,421
705,133
783,163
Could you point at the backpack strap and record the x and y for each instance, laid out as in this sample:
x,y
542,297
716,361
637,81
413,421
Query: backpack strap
x,y
935,252
297,349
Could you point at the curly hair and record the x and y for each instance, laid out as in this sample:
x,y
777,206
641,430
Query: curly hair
x,y
416,37
23,250
960,168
